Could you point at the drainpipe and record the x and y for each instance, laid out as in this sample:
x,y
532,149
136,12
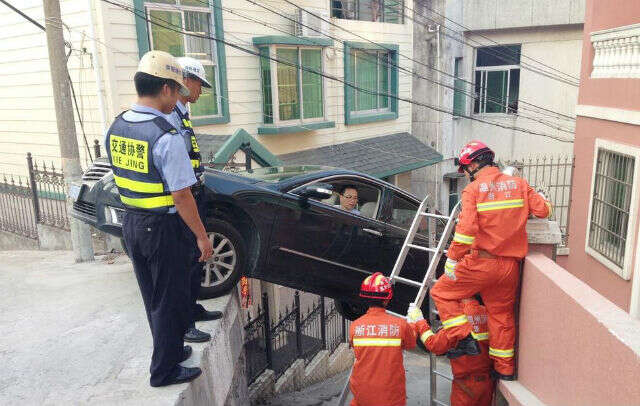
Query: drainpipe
x,y
96,68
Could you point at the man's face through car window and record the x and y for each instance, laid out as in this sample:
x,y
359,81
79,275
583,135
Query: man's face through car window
x,y
349,199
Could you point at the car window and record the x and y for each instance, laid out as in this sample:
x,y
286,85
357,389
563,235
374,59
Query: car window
x,y
403,212
368,196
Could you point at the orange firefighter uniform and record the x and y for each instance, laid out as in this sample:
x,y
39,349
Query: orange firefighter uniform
x,y
472,383
378,376
489,241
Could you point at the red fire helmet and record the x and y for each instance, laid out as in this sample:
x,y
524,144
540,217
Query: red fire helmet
x,y
376,286
470,152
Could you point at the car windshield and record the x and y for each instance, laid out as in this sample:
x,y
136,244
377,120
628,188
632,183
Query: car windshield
x,y
278,173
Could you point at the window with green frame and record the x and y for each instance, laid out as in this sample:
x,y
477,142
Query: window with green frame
x,y
372,83
291,91
192,17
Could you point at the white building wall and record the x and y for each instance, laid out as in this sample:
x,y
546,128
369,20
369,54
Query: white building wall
x,y
27,121
243,74
526,23
27,115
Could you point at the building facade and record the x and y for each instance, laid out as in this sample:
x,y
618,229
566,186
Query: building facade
x,y
295,75
504,65
603,236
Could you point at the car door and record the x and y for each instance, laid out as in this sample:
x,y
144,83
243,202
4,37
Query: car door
x,y
318,247
399,212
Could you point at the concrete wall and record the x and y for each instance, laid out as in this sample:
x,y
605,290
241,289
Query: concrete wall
x,y
27,119
554,44
575,347
499,14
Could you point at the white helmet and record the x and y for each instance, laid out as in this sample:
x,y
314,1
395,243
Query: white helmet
x,y
162,65
193,67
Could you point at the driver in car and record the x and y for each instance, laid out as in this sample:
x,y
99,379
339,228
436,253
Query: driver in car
x,y
348,199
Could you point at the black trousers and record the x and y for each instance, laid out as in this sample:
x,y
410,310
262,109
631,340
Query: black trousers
x,y
197,268
161,249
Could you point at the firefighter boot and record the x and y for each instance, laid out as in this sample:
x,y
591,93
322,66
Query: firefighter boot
x,y
497,375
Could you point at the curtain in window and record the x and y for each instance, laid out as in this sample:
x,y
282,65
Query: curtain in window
x,y
164,39
289,104
366,78
383,80
265,69
311,83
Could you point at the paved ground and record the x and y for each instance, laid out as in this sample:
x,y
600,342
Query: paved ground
x,y
417,371
76,333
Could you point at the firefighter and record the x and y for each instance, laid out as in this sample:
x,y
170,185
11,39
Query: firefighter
x,y
161,226
490,240
472,381
378,339
194,79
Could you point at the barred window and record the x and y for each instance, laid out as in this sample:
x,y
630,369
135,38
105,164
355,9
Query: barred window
x,y
610,205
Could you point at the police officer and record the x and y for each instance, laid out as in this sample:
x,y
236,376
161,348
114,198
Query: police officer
x,y
161,225
194,79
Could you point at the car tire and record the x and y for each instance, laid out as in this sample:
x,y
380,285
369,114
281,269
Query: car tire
x,y
223,270
350,310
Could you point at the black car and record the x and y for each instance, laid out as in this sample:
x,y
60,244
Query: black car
x,y
284,225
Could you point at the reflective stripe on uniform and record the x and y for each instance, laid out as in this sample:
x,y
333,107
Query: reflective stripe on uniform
x,y
138,186
424,336
500,205
480,336
148,202
501,353
550,209
195,163
463,239
450,268
377,342
186,123
455,321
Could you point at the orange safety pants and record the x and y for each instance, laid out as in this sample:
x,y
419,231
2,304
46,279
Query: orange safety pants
x,y
472,390
496,280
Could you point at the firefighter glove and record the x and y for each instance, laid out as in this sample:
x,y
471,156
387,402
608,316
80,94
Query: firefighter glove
x,y
414,314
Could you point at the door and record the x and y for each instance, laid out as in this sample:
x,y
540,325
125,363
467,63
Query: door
x,y
320,247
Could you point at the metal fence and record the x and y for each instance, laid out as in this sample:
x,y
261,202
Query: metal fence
x,y
17,213
555,175
49,193
297,334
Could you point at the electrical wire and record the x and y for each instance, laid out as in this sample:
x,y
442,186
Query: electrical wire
x,y
170,26
468,94
500,54
494,42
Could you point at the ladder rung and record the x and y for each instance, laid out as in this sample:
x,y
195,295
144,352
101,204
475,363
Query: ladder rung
x,y
437,402
437,216
408,281
445,376
396,314
420,247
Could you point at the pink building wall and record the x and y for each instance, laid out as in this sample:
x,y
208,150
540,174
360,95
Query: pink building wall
x,y
575,347
616,93
612,93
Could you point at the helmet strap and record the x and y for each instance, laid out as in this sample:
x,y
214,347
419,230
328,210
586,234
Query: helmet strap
x,y
472,173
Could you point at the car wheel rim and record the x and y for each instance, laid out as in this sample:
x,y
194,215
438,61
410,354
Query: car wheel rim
x,y
222,263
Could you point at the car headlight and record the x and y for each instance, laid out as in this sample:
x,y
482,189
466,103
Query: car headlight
x,y
113,215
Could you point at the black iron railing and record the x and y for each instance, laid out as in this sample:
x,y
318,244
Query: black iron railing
x,y
17,213
49,194
295,335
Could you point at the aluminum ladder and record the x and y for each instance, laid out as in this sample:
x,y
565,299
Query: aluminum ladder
x,y
423,285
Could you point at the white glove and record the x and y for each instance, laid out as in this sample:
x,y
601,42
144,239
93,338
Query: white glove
x,y
414,314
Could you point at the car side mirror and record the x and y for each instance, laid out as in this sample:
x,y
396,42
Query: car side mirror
x,y
318,191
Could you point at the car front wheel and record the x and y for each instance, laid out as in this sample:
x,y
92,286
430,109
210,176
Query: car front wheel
x,y
222,271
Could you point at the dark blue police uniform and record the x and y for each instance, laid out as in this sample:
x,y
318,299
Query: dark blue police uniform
x,y
149,161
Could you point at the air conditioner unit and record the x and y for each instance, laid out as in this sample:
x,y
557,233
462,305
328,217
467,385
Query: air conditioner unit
x,y
311,26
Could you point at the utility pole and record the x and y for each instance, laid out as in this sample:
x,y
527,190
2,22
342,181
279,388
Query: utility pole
x,y
80,232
